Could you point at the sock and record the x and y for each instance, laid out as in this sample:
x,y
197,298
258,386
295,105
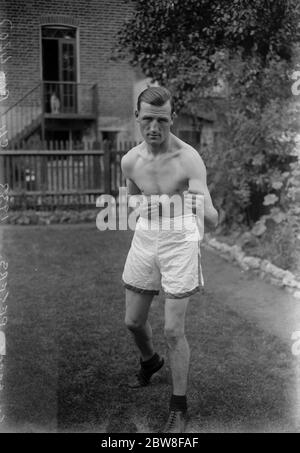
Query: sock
x,y
148,364
178,403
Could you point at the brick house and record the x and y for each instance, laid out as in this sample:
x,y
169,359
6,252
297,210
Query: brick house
x,y
62,82
60,52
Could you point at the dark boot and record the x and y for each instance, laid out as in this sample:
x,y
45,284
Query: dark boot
x,y
142,378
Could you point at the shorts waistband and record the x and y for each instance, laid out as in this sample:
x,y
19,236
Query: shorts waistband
x,y
168,223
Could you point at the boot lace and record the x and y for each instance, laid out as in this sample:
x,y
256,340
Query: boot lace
x,y
171,420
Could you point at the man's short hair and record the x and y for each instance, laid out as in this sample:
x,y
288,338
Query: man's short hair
x,y
155,96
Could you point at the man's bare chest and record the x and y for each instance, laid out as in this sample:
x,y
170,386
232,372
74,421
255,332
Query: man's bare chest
x,y
160,176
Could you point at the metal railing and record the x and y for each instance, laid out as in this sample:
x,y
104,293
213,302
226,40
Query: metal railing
x,y
52,100
24,116
69,98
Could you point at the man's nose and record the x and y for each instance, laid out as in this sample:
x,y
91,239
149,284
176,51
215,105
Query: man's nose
x,y
154,125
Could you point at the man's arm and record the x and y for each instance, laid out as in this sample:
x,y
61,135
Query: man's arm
x,y
197,181
127,167
136,199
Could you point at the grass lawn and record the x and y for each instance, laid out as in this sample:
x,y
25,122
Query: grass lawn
x,y
69,354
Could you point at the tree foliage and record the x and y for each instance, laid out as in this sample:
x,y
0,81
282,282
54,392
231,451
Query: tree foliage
x,y
179,43
189,47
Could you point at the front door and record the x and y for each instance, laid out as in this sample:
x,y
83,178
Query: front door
x,y
59,69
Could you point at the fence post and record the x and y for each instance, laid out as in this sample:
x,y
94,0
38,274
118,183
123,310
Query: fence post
x,y
107,167
43,165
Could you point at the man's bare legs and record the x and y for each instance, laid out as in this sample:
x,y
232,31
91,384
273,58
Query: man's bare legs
x,y
137,309
179,357
178,348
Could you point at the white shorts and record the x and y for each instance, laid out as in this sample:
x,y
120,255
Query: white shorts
x,y
165,253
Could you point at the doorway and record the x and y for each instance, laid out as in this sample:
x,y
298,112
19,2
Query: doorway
x,y
59,69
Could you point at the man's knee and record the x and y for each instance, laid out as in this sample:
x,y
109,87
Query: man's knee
x,y
133,324
173,335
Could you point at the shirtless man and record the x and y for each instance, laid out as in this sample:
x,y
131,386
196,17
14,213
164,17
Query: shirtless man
x,y
163,165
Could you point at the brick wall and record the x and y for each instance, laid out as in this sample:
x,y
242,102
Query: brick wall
x,y
97,21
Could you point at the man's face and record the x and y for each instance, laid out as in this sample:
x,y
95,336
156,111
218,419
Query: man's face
x,y
155,122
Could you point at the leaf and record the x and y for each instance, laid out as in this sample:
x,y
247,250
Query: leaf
x,y
258,160
270,199
277,185
259,228
279,217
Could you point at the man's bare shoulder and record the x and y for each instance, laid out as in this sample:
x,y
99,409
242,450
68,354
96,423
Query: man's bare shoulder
x,y
129,159
188,155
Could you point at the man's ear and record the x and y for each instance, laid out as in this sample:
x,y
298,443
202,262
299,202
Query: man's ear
x,y
136,113
173,116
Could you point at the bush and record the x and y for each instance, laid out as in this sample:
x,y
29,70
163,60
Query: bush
x,y
189,47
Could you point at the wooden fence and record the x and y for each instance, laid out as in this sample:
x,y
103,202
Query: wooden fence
x,y
63,176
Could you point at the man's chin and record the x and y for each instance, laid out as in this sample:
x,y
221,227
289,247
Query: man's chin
x,y
154,140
